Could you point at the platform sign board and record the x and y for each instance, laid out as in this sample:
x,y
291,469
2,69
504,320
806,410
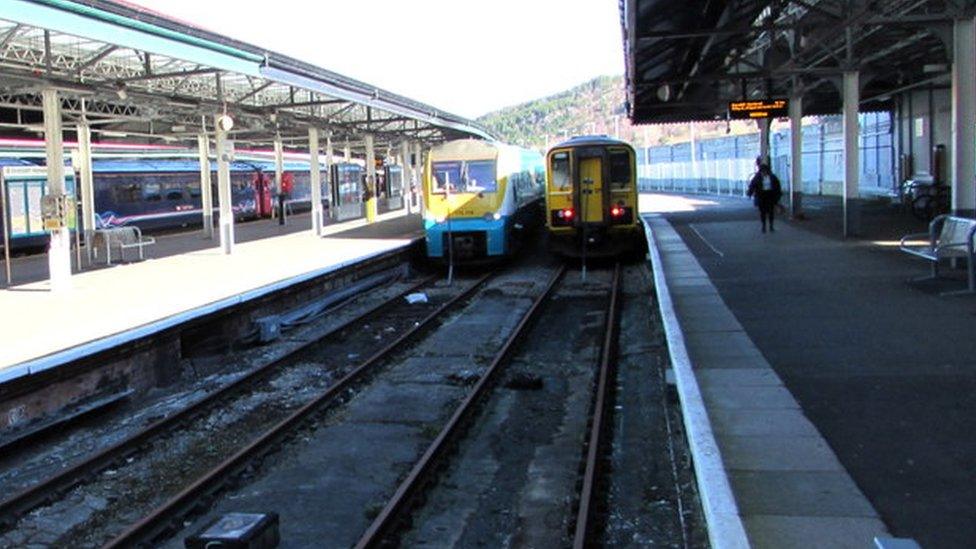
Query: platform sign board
x,y
759,109
25,188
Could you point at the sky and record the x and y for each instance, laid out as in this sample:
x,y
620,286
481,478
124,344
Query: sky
x,y
467,57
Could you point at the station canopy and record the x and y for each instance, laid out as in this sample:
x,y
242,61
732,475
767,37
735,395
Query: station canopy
x,y
135,74
686,60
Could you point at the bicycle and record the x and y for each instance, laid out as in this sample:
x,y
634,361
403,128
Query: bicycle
x,y
935,200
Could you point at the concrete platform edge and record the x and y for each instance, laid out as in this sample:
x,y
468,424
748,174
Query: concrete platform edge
x,y
54,360
725,526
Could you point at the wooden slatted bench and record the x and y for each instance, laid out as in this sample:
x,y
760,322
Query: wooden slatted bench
x,y
949,237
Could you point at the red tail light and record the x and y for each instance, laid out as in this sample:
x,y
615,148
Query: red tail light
x,y
616,211
566,214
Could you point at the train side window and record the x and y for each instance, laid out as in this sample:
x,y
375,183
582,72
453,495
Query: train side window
x,y
559,168
194,189
173,190
127,192
620,175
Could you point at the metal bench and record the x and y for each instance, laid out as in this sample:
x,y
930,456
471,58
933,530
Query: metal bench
x,y
949,237
123,238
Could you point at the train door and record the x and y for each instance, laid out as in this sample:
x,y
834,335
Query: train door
x,y
262,195
591,189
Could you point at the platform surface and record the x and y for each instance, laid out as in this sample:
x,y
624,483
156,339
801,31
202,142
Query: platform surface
x,y
807,334
187,275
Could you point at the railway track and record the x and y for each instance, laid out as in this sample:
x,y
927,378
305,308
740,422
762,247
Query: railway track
x,y
394,518
118,457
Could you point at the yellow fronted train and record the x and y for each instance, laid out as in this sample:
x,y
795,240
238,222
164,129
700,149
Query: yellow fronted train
x,y
481,198
591,199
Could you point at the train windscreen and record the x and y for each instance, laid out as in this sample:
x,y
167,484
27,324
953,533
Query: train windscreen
x,y
464,177
559,168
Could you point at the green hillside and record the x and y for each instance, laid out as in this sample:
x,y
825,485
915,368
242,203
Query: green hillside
x,y
595,107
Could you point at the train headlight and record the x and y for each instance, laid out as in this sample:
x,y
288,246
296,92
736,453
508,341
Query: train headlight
x,y
440,219
493,216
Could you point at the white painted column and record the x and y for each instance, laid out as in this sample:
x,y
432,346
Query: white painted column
x,y
963,164
206,190
315,180
371,204
796,154
59,250
223,190
87,188
694,155
329,162
851,96
279,160
346,153
406,174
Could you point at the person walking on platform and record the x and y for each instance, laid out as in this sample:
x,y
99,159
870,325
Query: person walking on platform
x,y
765,191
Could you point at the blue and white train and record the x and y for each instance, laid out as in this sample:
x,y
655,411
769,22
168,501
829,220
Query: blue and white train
x,y
481,197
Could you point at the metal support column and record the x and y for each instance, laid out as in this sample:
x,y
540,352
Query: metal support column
x,y
315,181
371,201
59,251
223,189
963,163
418,182
796,154
332,186
206,190
852,170
87,188
764,125
406,175
279,161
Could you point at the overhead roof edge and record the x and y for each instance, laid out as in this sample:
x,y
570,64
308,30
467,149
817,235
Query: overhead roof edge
x,y
251,59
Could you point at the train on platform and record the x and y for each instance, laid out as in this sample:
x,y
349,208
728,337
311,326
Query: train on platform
x,y
160,190
591,199
482,199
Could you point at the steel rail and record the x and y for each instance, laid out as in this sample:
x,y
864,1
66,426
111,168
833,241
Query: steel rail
x,y
14,507
384,522
159,519
587,503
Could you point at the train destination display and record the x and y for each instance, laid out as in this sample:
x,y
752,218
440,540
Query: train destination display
x,y
762,108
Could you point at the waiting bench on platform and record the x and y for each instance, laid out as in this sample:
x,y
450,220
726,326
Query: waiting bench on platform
x,y
949,237
122,238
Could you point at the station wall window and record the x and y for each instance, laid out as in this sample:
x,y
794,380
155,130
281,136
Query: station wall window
x,y
620,175
559,168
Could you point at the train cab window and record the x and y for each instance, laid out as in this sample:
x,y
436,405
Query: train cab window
x,y
480,176
620,176
559,166
446,173
194,189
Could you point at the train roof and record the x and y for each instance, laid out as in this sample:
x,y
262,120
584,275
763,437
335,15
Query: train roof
x,y
584,140
137,165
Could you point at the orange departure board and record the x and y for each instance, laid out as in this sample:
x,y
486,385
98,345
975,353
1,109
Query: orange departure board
x,y
762,108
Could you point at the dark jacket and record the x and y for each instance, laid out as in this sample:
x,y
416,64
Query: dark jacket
x,y
758,195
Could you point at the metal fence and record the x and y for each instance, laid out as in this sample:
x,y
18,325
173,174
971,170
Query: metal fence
x,y
725,165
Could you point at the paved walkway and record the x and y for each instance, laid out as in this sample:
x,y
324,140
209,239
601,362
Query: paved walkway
x,y
885,371
127,298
